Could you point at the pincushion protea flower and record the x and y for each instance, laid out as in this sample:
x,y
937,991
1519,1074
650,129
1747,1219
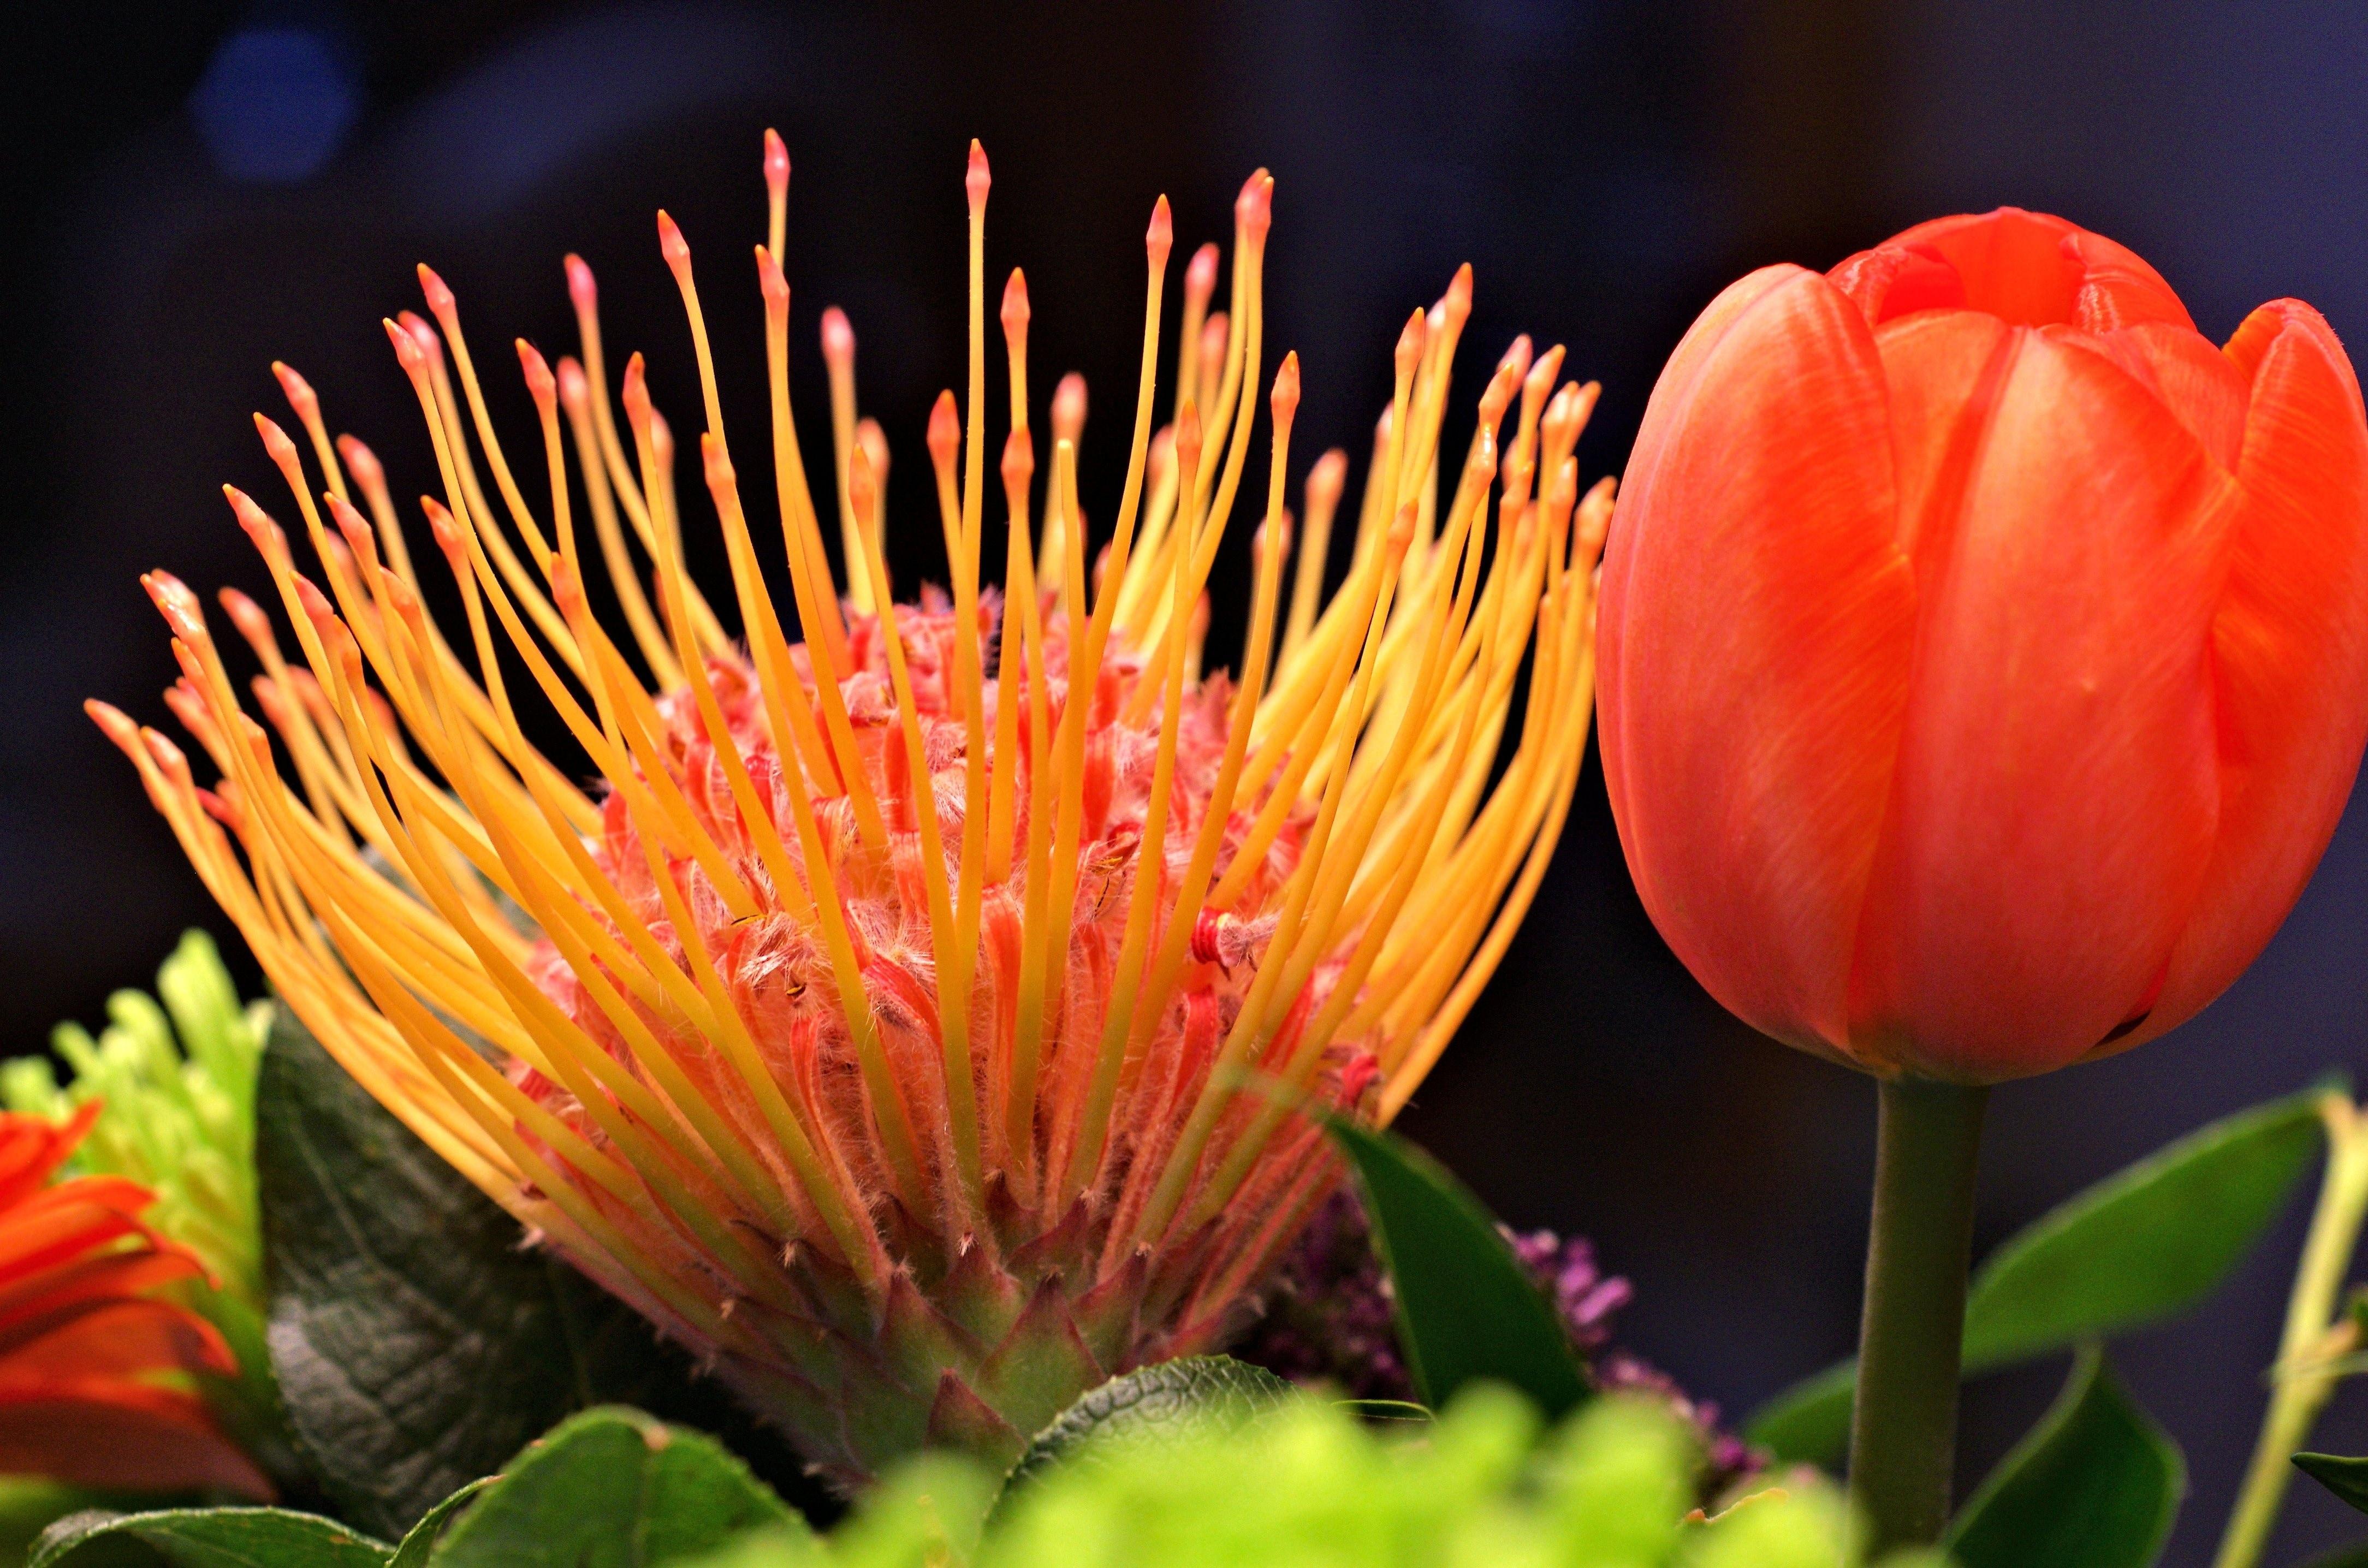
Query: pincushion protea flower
x,y
920,1044
95,1370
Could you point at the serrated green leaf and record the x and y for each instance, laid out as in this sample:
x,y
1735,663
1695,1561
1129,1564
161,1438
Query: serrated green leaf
x,y
1165,1399
2139,1246
206,1537
611,1488
2347,1478
1467,1311
2095,1485
418,1344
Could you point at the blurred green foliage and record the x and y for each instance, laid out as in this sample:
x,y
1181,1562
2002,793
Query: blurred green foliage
x,y
1308,1485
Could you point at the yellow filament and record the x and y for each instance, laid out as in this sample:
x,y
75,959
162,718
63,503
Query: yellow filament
x,y
841,365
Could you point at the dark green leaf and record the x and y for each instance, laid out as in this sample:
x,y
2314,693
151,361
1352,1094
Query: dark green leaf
x,y
2352,1556
418,1344
2141,1246
414,1549
2095,1485
2347,1478
611,1488
1466,1308
1163,1399
1808,1423
30,1504
206,1537
2146,1243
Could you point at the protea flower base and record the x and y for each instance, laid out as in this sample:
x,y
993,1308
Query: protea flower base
x,y
979,1349
918,1017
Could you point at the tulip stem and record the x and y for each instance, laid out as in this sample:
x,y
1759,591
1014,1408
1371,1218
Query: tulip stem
x,y
2317,1337
1904,1426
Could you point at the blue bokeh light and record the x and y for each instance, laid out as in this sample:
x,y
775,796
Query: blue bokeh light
x,y
275,103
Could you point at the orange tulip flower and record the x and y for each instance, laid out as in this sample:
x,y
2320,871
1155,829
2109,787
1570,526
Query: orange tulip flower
x,y
94,1368
1984,653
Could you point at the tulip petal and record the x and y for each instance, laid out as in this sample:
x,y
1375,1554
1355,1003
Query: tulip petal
x,y
2056,789
1942,370
2035,269
2204,390
2289,648
1755,631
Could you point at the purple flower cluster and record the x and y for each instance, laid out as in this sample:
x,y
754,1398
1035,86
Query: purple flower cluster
x,y
1330,1318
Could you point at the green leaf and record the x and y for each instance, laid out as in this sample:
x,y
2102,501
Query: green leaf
x,y
611,1488
2141,1246
206,1537
2352,1556
416,1548
2095,1485
1466,1308
416,1342
30,1504
1808,1423
2347,1478
1165,1399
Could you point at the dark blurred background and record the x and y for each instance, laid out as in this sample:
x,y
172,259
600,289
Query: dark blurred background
x,y
195,189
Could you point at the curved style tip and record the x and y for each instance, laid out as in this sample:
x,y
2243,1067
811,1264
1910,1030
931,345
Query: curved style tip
x,y
635,393
364,462
580,287
1458,300
770,283
295,388
671,244
1253,209
1160,237
945,427
873,443
1284,403
1408,353
1327,479
274,440
439,297
539,382
776,162
406,348
1069,407
837,338
1200,274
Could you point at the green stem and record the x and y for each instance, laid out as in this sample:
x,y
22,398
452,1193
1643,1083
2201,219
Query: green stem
x,y
2309,1352
1904,1425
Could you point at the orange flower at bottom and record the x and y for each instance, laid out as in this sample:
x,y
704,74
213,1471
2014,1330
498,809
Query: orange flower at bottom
x,y
92,1365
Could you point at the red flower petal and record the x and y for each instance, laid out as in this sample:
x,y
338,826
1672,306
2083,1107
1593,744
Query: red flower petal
x,y
2035,269
2056,788
1754,638
111,1339
124,1437
2289,649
